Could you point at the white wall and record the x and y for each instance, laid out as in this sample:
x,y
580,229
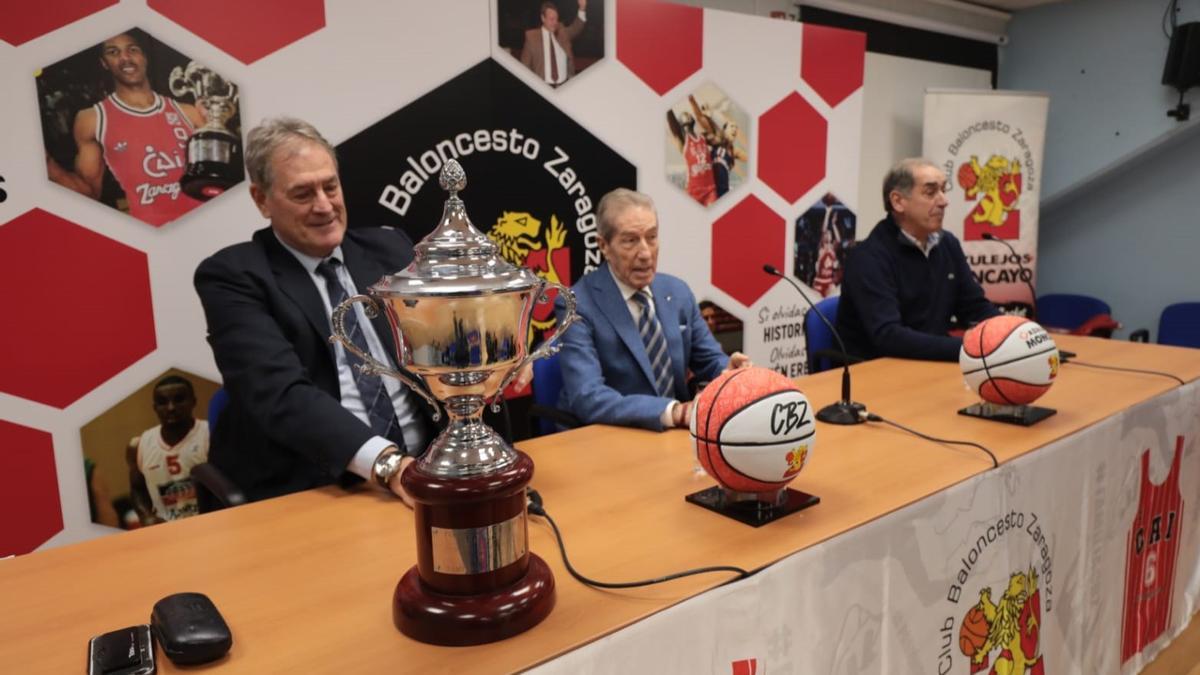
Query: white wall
x,y
893,115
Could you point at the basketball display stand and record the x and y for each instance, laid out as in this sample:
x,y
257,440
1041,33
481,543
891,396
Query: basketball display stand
x,y
753,508
1021,415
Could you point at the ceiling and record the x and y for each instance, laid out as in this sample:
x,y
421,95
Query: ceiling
x,y
1010,5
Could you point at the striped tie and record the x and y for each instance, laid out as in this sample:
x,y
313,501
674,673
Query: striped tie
x,y
375,398
656,346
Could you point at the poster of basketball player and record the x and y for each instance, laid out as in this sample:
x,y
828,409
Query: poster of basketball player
x,y
138,455
555,39
708,144
117,119
824,233
726,327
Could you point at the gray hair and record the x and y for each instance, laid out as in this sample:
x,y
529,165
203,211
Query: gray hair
x,y
272,134
900,178
613,204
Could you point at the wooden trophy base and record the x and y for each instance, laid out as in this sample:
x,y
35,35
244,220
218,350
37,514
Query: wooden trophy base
x,y
459,620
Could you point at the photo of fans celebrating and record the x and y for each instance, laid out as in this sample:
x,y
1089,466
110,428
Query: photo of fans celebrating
x,y
707,144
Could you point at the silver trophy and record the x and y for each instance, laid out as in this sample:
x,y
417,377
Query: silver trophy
x,y
214,152
460,314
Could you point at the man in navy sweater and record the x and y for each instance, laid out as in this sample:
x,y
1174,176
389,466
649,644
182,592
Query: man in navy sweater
x,y
908,283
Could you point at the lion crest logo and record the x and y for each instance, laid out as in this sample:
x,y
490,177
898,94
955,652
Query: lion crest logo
x,y
525,242
1012,625
795,460
996,185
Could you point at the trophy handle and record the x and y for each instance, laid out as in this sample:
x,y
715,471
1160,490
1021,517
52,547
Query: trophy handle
x,y
369,365
549,347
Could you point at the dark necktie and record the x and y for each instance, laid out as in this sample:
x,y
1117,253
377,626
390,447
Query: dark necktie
x,y
656,346
553,60
375,397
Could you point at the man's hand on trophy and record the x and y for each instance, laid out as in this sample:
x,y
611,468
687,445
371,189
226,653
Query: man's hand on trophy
x,y
394,482
523,378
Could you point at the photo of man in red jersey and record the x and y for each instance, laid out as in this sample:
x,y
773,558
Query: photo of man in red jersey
x,y
707,149
125,144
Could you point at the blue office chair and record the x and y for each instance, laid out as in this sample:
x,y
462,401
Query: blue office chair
x,y
1076,314
216,404
1179,325
547,385
819,340
214,490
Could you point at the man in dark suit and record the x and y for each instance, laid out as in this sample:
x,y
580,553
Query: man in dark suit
x,y
298,415
553,60
627,360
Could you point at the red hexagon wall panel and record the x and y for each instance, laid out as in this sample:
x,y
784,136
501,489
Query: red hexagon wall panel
x,y
77,307
29,20
746,237
832,61
661,42
791,147
28,489
247,31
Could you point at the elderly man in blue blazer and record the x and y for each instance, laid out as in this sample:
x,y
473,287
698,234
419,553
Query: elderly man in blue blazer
x,y
627,360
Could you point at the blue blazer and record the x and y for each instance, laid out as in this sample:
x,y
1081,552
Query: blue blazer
x,y
606,374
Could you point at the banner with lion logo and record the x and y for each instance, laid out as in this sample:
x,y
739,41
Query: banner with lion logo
x,y
1079,558
989,144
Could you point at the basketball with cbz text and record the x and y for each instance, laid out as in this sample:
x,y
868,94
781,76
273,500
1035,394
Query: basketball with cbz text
x,y
753,429
1008,360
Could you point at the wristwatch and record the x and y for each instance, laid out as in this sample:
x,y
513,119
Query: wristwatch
x,y
387,465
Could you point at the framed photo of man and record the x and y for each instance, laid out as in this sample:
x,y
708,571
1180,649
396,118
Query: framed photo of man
x,y
140,127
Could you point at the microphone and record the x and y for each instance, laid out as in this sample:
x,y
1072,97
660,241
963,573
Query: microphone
x,y
845,411
1063,354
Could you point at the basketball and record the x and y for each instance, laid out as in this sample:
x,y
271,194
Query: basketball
x,y
753,430
966,177
1008,360
973,632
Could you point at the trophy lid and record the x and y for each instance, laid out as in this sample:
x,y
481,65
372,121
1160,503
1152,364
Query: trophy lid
x,y
455,259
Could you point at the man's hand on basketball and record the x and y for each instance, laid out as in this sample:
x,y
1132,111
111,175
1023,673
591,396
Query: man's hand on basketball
x,y
681,416
738,360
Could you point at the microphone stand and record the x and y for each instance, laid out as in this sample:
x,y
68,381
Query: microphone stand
x,y
1023,270
1062,353
846,411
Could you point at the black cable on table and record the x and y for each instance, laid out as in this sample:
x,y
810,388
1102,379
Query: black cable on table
x,y
535,507
1129,370
872,417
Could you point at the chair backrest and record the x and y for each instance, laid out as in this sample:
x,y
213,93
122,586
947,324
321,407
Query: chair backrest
x,y
216,404
1180,325
817,336
1068,311
547,385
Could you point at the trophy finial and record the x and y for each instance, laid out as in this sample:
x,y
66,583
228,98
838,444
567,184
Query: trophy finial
x,y
452,179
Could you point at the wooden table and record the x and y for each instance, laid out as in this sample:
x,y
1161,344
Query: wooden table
x,y
305,581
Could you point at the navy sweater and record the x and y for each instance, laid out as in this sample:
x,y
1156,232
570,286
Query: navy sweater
x,y
896,302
